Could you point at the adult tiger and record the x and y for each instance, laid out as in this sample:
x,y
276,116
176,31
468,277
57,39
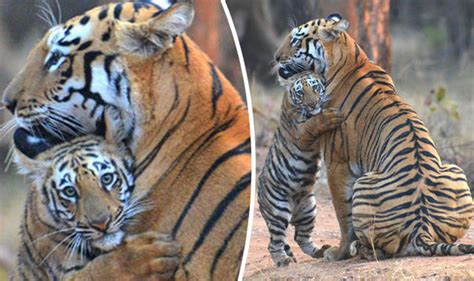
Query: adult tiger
x,y
187,126
285,185
388,184
78,210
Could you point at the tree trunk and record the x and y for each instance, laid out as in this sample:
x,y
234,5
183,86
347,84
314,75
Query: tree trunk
x,y
369,25
205,29
373,30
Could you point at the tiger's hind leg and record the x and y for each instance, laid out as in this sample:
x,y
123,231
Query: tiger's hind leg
x,y
303,220
368,253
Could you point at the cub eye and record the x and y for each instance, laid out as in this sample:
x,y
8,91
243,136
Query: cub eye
x,y
107,179
69,191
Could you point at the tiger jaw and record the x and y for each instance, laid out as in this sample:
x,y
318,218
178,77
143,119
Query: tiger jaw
x,y
108,241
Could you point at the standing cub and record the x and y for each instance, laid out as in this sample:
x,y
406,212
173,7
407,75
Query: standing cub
x,y
285,185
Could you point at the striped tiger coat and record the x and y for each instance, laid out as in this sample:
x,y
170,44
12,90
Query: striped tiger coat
x,y
389,187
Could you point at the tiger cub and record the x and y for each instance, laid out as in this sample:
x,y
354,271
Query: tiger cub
x,y
79,207
285,185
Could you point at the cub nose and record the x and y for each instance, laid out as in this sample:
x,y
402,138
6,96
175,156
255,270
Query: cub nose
x,y
101,223
10,104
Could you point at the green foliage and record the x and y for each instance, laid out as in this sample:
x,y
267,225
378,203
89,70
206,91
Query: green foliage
x,y
440,94
435,36
442,103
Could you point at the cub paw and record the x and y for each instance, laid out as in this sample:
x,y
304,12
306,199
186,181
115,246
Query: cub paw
x,y
285,261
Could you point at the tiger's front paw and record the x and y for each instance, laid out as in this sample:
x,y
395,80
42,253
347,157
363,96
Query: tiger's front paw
x,y
332,254
148,256
329,119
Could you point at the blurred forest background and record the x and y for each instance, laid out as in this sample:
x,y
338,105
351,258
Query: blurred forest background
x,y
21,28
426,45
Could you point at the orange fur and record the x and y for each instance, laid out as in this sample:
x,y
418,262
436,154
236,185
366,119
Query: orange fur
x,y
191,137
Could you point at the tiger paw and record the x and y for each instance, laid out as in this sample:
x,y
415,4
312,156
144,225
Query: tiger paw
x,y
320,252
331,254
147,256
329,119
285,261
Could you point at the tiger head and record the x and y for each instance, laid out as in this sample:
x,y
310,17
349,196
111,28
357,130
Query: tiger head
x,y
306,94
305,48
84,186
80,67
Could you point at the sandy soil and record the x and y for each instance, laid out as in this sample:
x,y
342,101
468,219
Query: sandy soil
x,y
259,265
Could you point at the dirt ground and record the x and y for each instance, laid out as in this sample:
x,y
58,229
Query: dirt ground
x,y
259,265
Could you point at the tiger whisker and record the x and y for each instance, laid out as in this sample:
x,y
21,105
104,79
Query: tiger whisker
x,y
69,237
7,127
64,120
71,249
49,234
9,158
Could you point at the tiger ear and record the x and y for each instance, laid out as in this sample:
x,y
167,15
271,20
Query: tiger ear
x,y
156,34
115,132
35,168
332,32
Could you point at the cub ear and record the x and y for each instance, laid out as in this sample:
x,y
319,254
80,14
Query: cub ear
x,y
156,34
115,132
334,31
35,169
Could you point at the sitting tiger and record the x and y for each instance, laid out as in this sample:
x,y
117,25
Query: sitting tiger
x,y
79,210
390,190
285,185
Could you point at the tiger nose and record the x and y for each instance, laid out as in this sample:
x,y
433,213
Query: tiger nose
x,y
10,104
101,223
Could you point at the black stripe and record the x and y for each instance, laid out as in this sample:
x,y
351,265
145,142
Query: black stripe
x,y
150,157
241,185
117,11
216,89
242,148
103,13
186,52
85,45
227,239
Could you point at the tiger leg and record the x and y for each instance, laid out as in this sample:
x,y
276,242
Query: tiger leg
x,y
277,222
340,185
368,253
424,245
303,220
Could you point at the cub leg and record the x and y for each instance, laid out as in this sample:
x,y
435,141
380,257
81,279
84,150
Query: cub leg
x,y
303,220
277,218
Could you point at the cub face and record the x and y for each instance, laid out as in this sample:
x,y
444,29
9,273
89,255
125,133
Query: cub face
x,y
85,186
307,94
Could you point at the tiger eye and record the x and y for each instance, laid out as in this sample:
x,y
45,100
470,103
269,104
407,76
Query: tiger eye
x,y
69,191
